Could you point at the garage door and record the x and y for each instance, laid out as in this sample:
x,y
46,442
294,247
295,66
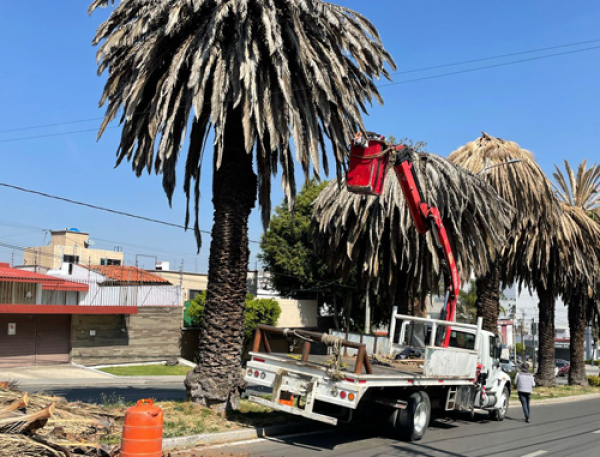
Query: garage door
x,y
27,340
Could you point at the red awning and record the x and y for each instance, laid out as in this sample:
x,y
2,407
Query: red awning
x,y
8,274
66,309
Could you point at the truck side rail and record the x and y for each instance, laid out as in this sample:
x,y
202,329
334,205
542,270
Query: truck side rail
x,y
435,323
261,336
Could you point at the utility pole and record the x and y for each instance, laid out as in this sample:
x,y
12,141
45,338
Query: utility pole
x,y
533,332
368,311
523,347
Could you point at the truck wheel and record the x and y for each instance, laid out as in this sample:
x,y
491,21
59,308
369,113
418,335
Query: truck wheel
x,y
499,413
411,423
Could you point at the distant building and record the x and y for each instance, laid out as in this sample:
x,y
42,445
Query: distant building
x,y
70,246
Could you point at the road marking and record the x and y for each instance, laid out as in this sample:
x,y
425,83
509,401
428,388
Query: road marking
x,y
535,454
597,431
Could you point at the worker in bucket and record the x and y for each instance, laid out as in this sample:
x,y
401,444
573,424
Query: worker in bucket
x,y
525,383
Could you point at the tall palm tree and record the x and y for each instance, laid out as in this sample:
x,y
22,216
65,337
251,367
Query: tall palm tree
x,y
580,195
528,257
261,75
378,237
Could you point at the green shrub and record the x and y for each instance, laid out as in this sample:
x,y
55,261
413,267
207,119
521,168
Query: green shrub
x,y
594,380
195,311
258,311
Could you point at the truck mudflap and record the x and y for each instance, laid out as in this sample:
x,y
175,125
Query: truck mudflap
x,y
294,410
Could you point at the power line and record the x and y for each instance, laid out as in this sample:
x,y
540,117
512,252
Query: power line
x,y
458,72
464,62
48,135
483,59
101,208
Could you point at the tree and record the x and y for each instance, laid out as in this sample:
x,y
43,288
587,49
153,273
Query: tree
x,y
530,256
466,310
296,270
257,311
259,75
376,235
580,196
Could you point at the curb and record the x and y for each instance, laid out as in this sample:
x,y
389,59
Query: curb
x,y
238,435
572,398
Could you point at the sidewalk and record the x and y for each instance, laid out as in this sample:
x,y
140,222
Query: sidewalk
x,y
73,376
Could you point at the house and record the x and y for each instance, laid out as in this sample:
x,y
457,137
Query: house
x,y
87,314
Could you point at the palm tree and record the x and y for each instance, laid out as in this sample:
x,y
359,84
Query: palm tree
x,y
580,196
528,257
378,237
260,75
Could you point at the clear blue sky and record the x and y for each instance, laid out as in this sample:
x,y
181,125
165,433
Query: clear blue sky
x,y
48,76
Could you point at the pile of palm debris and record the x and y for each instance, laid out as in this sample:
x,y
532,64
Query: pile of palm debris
x,y
39,425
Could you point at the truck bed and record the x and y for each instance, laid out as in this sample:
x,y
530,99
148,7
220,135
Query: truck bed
x,y
393,368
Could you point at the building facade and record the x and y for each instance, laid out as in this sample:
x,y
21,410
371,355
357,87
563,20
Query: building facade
x,y
70,246
87,315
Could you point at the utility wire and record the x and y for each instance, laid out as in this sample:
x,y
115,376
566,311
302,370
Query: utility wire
x,y
514,62
464,62
101,208
483,59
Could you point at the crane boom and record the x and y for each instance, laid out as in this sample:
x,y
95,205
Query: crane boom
x,y
370,160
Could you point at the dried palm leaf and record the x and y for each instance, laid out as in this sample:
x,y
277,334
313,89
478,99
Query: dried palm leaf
x,y
528,255
298,70
378,236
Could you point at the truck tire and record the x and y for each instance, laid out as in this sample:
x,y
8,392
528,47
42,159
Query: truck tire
x,y
410,424
499,413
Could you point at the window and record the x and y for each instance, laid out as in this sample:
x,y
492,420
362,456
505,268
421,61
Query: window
x,y
462,340
110,262
71,258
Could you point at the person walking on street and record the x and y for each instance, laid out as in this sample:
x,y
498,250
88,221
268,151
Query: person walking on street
x,y
525,382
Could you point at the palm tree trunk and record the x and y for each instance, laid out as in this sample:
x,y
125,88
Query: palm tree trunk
x,y
218,380
577,324
545,374
488,298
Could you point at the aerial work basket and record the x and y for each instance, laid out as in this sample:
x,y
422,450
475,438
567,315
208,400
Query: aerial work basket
x,y
369,160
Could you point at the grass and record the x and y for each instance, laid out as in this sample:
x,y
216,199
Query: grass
x,y
541,393
147,370
183,418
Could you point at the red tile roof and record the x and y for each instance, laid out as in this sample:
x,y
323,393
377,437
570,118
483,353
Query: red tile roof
x,y
8,274
127,274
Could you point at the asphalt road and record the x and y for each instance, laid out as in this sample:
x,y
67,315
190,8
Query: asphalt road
x,y
115,394
559,430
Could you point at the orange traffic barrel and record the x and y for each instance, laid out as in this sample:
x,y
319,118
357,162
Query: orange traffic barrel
x,y
142,432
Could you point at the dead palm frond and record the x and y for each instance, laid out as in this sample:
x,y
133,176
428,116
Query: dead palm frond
x,y
523,185
377,235
299,71
578,253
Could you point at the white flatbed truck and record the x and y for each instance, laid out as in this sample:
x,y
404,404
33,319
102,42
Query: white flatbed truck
x,y
464,376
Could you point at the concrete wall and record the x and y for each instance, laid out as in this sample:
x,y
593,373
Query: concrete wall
x,y
188,281
151,335
297,313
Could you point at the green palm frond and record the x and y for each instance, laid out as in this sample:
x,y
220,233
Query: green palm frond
x,y
582,189
377,235
300,72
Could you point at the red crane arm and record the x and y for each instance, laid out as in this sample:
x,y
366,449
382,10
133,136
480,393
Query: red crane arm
x,y
370,154
427,218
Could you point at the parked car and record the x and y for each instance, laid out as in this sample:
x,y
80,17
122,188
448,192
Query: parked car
x,y
507,365
562,367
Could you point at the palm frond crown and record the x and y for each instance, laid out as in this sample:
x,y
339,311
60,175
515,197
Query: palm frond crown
x,y
300,71
378,235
